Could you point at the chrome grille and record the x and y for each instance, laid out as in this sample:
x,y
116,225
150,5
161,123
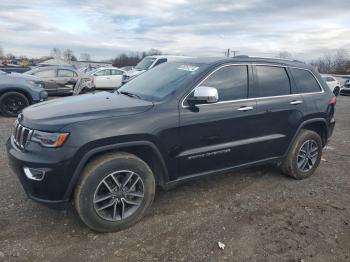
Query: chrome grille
x,y
21,135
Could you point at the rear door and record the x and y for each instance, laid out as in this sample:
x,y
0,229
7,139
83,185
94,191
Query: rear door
x,y
116,78
220,135
280,109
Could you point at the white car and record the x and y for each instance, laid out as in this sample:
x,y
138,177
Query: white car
x,y
107,77
149,62
333,84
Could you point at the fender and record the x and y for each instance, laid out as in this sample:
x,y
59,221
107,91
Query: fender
x,y
313,120
162,179
17,89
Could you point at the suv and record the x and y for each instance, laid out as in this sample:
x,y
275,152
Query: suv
x,y
18,91
148,63
177,122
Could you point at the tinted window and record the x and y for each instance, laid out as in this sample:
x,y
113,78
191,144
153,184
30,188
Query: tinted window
x,y
305,81
159,61
46,73
273,81
230,81
65,73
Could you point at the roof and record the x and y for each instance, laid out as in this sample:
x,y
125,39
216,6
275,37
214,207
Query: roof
x,y
245,59
54,61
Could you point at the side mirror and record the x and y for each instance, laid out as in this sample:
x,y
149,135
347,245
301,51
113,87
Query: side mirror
x,y
203,95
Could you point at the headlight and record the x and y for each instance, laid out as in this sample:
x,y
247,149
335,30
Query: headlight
x,y
47,139
34,83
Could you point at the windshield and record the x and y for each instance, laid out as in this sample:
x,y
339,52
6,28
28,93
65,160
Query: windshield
x,y
163,80
145,63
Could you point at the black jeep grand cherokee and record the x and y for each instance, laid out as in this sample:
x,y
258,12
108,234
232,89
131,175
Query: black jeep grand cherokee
x,y
176,122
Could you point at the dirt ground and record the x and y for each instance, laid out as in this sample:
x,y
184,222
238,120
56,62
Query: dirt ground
x,y
259,214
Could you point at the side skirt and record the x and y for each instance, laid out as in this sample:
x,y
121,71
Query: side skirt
x,y
171,184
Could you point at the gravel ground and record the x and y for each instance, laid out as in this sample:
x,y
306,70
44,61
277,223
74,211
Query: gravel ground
x,y
258,214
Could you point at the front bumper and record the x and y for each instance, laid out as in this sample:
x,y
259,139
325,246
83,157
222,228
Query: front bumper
x,y
51,190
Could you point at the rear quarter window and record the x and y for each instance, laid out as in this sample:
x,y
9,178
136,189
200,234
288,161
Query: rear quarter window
x,y
305,81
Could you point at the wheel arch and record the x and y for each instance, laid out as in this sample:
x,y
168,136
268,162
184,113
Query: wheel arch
x,y
145,150
19,90
318,125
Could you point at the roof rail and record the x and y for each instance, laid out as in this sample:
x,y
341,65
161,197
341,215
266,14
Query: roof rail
x,y
277,58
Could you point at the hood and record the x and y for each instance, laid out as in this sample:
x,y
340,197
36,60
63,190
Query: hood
x,y
134,72
55,114
24,76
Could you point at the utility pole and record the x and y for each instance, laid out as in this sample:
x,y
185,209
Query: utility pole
x,y
235,52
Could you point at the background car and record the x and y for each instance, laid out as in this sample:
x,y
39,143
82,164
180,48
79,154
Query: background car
x,y
345,90
18,91
147,63
333,84
59,80
107,77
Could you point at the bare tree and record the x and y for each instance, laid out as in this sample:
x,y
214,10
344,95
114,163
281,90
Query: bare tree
x,y
56,52
1,52
339,63
68,55
85,56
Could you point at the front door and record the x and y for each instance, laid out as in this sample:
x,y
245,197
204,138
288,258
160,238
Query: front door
x,y
220,135
48,77
66,80
102,78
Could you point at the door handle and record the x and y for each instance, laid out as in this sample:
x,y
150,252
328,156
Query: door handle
x,y
245,108
296,102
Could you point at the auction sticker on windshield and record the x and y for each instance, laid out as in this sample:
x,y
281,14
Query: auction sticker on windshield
x,y
189,68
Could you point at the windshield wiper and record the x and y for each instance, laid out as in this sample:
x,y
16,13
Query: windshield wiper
x,y
129,94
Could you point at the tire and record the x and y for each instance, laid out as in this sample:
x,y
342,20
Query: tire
x,y
12,103
123,213
293,163
336,91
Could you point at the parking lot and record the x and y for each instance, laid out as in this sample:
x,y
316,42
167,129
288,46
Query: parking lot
x,y
259,214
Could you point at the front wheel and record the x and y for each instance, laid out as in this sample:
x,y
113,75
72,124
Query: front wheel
x,y
336,91
304,156
12,103
114,192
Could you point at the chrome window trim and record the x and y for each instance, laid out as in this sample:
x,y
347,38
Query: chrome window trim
x,y
253,98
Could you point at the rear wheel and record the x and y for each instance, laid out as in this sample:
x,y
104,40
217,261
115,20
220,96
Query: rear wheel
x,y
114,192
12,103
304,156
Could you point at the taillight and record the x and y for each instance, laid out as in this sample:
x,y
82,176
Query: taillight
x,y
333,100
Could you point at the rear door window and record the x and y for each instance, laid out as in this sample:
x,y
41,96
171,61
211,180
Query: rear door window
x,y
272,81
305,81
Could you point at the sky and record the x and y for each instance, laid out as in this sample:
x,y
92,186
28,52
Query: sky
x,y
105,28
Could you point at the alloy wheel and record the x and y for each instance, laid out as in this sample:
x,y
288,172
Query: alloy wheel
x,y
14,104
118,195
307,155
